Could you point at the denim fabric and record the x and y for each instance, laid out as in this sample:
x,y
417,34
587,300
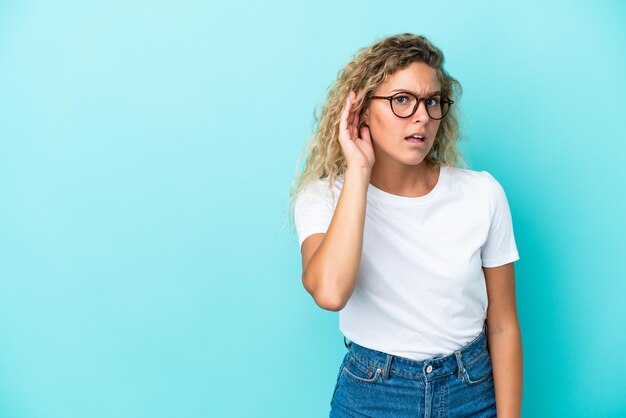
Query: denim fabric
x,y
371,383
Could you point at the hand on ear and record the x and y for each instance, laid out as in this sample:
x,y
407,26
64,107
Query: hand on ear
x,y
363,121
363,125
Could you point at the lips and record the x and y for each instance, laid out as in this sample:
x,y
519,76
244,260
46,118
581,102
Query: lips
x,y
416,135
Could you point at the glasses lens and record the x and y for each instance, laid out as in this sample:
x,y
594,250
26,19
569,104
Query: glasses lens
x,y
439,110
403,104
435,107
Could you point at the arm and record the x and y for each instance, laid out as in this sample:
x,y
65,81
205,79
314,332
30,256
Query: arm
x,y
330,267
504,339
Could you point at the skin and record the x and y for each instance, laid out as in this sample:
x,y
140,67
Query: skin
x,y
399,168
504,340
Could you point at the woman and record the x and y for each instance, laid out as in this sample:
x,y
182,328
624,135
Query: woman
x,y
416,253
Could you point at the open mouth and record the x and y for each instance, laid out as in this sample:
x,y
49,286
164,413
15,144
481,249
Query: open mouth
x,y
417,139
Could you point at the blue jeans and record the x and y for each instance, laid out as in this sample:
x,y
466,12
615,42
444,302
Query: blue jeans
x,y
371,383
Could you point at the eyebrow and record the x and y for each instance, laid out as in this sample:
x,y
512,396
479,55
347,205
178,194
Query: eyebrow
x,y
409,91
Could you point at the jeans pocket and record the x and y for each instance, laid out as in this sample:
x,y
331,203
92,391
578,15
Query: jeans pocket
x,y
478,369
361,372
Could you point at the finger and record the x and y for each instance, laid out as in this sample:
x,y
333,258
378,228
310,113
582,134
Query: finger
x,y
351,122
353,133
357,115
351,128
354,123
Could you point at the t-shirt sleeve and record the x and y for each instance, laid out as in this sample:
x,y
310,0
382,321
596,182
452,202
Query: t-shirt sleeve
x,y
313,210
500,247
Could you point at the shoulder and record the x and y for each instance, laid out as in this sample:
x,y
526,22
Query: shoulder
x,y
319,189
480,185
322,185
476,180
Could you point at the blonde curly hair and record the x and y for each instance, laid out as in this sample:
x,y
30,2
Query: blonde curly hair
x,y
370,67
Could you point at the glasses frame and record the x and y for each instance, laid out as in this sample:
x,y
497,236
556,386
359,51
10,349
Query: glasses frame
x,y
417,104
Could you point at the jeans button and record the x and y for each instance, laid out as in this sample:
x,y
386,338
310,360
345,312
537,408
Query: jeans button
x,y
429,369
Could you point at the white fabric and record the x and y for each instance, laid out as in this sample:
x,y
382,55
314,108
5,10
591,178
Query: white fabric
x,y
421,289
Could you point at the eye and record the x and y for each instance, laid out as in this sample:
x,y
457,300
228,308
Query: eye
x,y
401,99
433,101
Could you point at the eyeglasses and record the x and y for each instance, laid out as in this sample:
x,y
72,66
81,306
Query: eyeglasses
x,y
404,105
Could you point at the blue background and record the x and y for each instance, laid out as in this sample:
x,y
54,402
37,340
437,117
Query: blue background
x,y
146,152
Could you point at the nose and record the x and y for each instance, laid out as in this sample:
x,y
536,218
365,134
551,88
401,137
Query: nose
x,y
421,115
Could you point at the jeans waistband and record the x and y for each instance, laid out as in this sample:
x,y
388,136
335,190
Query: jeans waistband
x,y
428,368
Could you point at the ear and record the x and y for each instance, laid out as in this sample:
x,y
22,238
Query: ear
x,y
364,117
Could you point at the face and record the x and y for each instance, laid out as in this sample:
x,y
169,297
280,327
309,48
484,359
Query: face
x,y
388,131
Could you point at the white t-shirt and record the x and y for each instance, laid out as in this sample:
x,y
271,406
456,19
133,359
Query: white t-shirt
x,y
421,290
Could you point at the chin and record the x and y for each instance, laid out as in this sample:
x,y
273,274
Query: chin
x,y
415,162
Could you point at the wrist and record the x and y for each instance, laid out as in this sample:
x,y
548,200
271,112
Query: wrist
x,y
359,172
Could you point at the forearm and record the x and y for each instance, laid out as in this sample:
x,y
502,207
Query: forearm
x,y
332,272
505,348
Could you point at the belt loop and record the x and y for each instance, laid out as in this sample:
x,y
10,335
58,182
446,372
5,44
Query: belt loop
x,y
345,343
459,362
387,366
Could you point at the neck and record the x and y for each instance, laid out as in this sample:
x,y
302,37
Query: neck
x,y
408,181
